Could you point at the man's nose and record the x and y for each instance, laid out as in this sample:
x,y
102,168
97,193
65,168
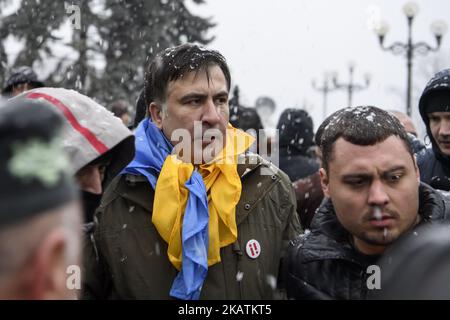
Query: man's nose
x,y
378,195
90,179
444,130
210,113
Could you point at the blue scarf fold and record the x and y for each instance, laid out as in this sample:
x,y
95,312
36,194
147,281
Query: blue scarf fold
x,y
152,149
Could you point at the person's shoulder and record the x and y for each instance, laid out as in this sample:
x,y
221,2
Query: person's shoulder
x,y
446,200
125,194
255,164
425,155
435,203
259,176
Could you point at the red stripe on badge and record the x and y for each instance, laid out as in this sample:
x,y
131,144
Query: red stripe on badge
x,y
85,132
255,247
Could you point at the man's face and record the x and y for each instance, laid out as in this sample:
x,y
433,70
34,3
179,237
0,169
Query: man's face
x,y
90,178
18,89
440,129
374,190
195,99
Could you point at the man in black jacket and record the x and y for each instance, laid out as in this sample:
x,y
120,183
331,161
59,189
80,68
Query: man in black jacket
x,y
296,134
371,180
434,106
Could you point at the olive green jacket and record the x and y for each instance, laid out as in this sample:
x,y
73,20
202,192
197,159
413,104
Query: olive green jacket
x,y
125,257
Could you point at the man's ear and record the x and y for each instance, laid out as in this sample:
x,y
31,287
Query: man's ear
x,y
324,181
46,274
416,167
155,112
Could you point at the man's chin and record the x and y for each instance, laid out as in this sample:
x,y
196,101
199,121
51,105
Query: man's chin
x,y
381,237
445,150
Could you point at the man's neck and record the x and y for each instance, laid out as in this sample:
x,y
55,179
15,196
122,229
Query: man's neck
x,y
368,249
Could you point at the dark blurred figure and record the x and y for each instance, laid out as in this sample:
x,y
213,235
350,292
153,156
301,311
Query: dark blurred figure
x,y
242,117
141,110
309,195
417,267
295,129
121,109
308,190
434,107
98,143
245,118
21,79
40,215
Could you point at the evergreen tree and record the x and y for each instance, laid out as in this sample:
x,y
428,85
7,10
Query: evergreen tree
x,y
138,29
80,74
123,33
33,24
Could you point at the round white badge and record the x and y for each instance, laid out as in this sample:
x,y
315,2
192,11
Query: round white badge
x,y
253,249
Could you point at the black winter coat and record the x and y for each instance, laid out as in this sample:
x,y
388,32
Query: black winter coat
x,y
434,172
323,264
433,164
297,165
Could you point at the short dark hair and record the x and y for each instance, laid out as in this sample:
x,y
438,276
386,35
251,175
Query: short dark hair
x,y
172,63
363,126
119,108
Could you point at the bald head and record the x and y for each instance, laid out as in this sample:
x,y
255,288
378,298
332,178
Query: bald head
x,y
406,121
36,253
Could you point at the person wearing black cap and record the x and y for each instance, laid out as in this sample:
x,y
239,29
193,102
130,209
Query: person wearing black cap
x,y
296,134
434,107
21,79
40,214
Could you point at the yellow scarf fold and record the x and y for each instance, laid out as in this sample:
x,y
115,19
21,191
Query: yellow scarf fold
x,y
223,187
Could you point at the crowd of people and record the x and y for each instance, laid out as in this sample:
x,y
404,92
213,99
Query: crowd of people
x,y
185,202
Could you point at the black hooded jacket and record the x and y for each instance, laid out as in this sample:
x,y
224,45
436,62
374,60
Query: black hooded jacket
x,y
296,137
433,164
323,264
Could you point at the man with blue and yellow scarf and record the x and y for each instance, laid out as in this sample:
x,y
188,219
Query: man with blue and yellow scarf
x,y
194,215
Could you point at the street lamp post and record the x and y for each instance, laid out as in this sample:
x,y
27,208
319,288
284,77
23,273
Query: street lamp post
x,y
325,89
410,49
350,86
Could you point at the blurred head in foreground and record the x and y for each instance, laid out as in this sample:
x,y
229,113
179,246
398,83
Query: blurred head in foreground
x,y
40,216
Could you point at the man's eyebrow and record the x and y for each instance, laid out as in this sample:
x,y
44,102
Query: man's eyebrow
x,y
362,175
193,95
221,94
393,169
356,175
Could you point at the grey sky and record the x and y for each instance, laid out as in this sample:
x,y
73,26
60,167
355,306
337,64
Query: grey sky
x,y
276,48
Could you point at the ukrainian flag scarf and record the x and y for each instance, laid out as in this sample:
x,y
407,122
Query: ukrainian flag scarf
x,y
194,209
